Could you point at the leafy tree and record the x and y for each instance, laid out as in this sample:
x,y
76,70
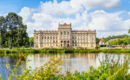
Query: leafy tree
x,y
31,41
129,31
97,40
121,41
2,30
13,31
115,37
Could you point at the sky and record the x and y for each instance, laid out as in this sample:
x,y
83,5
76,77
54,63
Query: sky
x,y
107,17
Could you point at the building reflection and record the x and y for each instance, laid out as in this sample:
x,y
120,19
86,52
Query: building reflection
x,y
72,62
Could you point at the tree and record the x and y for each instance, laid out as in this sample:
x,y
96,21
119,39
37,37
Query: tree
x,y
31,41
129,31
2,30
115,37
13,31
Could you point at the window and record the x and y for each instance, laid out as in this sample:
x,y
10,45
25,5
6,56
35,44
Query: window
x,y
68,33
72,42
73,37
64,33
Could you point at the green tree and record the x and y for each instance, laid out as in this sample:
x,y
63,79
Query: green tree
x,y
13,31
31,41
2,30
129,31
97,40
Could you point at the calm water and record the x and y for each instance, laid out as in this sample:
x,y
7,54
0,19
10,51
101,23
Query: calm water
x,y
72,62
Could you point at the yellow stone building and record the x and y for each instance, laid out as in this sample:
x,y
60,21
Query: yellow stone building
x,y
65,37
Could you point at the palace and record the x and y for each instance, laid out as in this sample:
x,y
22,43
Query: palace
x,y
65,37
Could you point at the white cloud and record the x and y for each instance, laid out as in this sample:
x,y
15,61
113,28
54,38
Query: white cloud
x,y
102,34
129,13
50,14
88,4
58,9
25,13
102,20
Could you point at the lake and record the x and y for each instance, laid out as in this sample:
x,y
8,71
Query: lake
x,y
71,62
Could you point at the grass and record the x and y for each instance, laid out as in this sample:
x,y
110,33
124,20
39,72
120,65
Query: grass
x,y
54,51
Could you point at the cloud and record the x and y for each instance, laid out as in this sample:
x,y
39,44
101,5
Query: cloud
x,y
25,13
88,4
129,13
102,20
50,14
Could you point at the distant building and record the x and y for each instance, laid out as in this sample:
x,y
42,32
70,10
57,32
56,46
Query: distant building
x,y
65,37
128,46
101,42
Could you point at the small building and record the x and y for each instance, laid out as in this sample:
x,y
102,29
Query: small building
x,y
128,46
102,43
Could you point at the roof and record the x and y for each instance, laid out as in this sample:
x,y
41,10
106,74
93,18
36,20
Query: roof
x,y
84,31
45,31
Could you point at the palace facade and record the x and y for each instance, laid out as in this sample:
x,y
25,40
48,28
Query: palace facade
x,y
65,37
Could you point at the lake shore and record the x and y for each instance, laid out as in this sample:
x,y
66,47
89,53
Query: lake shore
x,y
52,51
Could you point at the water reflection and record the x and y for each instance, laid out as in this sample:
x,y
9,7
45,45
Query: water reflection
x,y
72,62
7,60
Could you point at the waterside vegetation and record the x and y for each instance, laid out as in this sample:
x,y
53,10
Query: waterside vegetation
x,y
108,70
53,51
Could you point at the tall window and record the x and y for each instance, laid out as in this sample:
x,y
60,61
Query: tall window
x,y
64,33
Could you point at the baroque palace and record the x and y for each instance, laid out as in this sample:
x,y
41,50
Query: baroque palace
x,y
65,37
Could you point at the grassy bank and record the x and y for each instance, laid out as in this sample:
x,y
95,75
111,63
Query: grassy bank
x,y
12,51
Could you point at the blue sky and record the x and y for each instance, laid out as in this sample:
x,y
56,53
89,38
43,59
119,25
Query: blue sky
x,y
90,14
16,5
